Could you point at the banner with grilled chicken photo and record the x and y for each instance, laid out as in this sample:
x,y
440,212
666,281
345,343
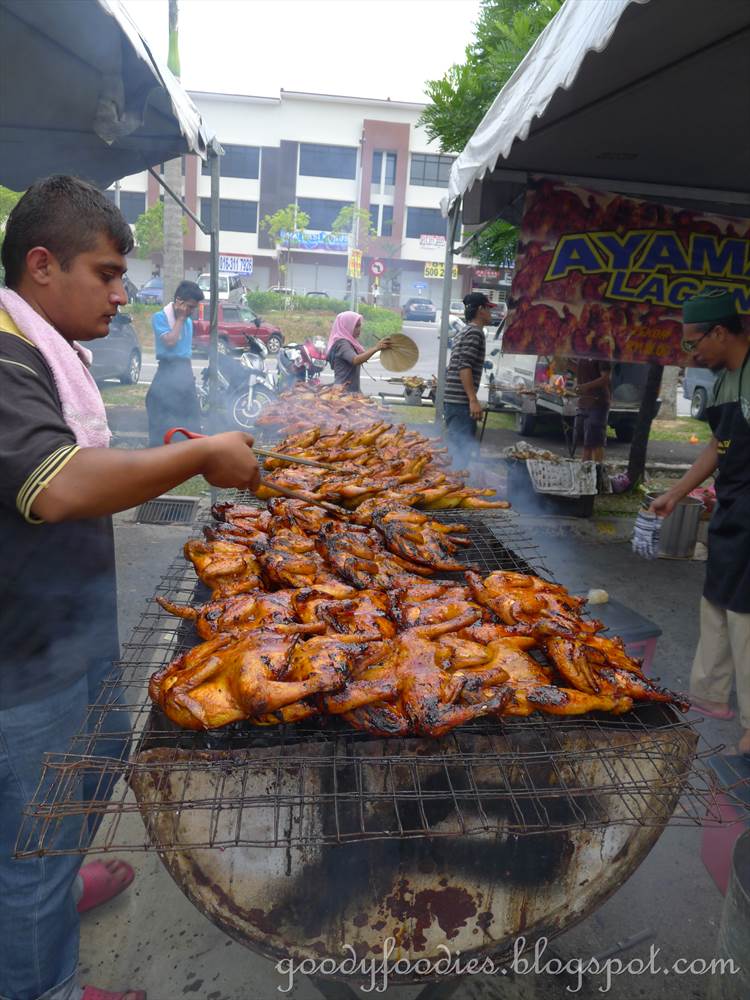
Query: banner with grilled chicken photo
x,y
601,275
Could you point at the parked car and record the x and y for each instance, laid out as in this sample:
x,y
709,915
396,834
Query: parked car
x,y
456,311
236,322
419,310
117,355
498,313
152,292
281,290
697,387
231,288
317,295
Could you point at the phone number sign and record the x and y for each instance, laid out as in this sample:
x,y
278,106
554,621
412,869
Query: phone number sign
x,y
236,265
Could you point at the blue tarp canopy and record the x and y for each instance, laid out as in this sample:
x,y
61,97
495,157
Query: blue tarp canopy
x,y
81,93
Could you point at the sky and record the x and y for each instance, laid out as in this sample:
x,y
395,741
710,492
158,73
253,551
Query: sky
x,y
360,48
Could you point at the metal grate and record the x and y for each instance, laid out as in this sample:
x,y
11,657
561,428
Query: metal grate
x,y
322,783
168,510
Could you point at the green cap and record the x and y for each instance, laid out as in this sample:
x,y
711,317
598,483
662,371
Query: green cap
x,y
710,306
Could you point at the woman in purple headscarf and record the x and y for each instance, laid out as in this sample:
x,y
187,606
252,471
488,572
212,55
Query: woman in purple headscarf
x,y
345,353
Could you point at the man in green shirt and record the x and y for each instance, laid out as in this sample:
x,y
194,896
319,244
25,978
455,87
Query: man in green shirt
x,y
713,335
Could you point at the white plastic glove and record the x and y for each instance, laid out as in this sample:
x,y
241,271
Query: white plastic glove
x,y
646,531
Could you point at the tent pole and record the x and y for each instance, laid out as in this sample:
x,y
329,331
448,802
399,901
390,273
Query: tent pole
x,y
450,235
213,344
162,183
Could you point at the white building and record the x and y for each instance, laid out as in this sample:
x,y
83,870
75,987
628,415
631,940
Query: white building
x,y
320,152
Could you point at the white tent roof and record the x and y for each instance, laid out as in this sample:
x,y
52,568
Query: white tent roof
x,y
647,95
81,93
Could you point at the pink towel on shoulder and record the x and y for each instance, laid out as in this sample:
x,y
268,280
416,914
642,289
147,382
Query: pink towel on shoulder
x,y
82,404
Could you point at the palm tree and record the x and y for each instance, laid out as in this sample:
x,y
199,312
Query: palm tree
x,y
173,270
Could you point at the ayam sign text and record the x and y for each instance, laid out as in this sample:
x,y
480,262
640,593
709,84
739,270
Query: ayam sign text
x,y
648,266
604,275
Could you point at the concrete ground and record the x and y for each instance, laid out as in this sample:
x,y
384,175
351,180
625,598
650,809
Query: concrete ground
x,y
153,938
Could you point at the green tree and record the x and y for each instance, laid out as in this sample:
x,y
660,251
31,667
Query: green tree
x,y
353,220
149,230
8,200
282,227
504,33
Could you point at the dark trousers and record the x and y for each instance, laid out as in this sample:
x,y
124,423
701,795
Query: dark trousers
x,y
171,400
460,433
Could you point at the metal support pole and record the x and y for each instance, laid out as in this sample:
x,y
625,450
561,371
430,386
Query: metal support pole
x,y
450,237
162,183
213,344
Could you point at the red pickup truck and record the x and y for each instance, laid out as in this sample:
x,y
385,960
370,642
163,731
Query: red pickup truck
x,y
235,322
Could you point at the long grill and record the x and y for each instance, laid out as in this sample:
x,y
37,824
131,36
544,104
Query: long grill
x,y
323,783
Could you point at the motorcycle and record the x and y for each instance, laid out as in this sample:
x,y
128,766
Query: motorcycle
x,y
244,384
300,363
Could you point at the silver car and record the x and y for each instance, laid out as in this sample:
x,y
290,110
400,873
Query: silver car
x,y
117,355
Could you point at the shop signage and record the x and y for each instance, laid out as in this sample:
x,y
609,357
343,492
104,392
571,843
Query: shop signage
x,y
354,264
604,276
427,240
236,265
313,239
436,269
488,273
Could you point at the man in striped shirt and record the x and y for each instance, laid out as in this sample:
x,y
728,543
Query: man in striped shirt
x,y
461,407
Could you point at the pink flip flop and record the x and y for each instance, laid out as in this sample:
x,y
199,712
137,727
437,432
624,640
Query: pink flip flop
x,y
725,714
93,993
100,885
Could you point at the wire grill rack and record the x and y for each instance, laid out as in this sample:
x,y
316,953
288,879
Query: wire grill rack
x,y
322,783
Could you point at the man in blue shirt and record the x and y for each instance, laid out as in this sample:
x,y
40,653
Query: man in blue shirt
x,y
171,400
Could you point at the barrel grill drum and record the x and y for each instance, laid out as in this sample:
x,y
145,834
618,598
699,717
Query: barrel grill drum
x,y
310,898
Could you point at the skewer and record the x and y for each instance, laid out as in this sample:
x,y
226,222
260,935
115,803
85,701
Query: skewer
x,y
264,452
281,490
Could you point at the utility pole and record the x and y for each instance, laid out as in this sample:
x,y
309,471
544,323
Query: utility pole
x,y
173,269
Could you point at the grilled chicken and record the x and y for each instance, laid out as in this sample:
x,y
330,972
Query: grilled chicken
x,y
601,666
255,609
239,676
428,692
520,599
225,567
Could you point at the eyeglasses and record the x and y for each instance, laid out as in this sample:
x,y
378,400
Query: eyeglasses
x,y
690,346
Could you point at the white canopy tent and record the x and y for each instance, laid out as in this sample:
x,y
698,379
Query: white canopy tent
x,y
81,93
647,97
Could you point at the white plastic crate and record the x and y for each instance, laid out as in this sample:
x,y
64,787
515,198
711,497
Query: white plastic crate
x,y
568,478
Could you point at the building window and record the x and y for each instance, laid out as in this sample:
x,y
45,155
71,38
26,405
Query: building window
x,y
424,222
132,204
382,224
327,161
322,212
237,161
234,216
428,170
380,160
386,226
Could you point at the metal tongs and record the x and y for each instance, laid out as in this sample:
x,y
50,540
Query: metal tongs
x,y
282,490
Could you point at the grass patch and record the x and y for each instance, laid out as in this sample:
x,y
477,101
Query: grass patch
x,y
426,415
195,487
123,395
412,414
681,429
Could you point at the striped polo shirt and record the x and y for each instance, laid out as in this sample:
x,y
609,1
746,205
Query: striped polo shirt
x,y
468,352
